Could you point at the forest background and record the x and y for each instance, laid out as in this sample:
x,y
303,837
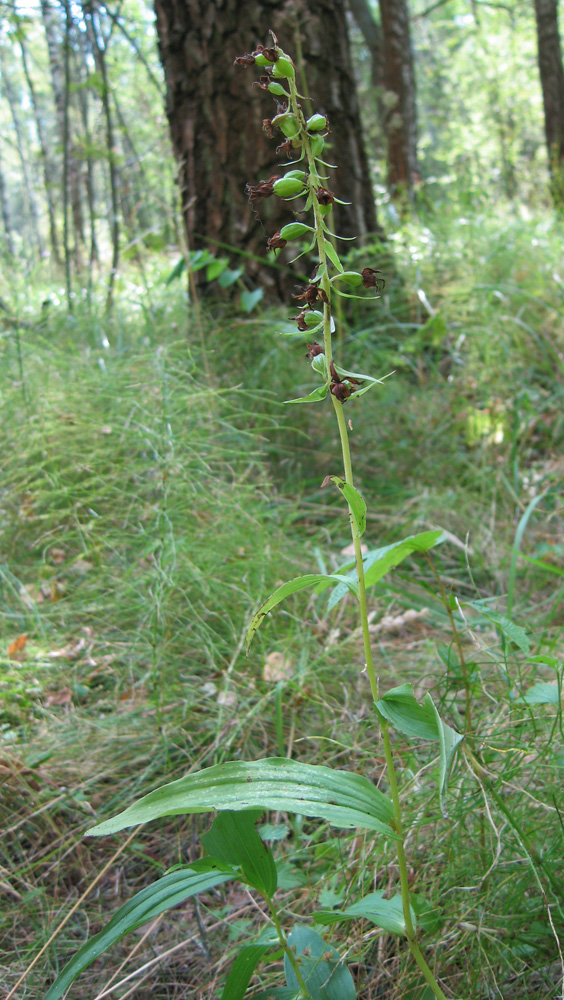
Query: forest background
x,y
154,488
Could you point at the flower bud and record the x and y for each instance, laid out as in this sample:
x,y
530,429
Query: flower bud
x,y
316,123
294,230
317,143
288,186
283,68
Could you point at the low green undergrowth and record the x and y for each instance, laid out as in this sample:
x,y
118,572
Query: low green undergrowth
x,y
144,508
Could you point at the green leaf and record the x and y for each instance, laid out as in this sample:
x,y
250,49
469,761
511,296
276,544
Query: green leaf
x,y
385,913
345,373
341,798
509,629
333,255
400,707
229,277
250,299
215,267
200,259
177,270
243,968
234,840
314,397
543,693
145,905
378,562
355,501
325,975
318,580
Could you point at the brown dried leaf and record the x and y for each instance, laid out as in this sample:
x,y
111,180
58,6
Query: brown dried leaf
x,y
277,668
16,649
61,697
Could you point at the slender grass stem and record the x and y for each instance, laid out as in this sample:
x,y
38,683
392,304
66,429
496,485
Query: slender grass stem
x,y
457,641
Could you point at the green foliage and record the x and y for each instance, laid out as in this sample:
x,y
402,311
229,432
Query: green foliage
x,y
342,798
325,976
147,904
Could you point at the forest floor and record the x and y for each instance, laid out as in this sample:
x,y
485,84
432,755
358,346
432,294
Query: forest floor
x,y
155,489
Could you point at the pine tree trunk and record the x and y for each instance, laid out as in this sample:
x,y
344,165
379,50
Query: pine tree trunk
x,y
399,97
215,114
552,83
24,157
48,165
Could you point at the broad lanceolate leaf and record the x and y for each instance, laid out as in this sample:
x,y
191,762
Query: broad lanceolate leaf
x,y
355,501
385,913
147,904
342,798
242,971
246,963
325,976
378,562
234,840
424,722
318,580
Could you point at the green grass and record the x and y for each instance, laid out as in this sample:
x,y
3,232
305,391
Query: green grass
x,y
144,513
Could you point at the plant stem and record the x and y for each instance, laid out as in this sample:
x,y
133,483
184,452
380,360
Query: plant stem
x,y
325,284
287,949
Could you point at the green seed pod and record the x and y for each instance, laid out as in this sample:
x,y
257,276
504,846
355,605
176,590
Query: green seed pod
x,y
316,123
294,230
300,174
325,209
261,60
352,278
283,68
288,124
313,317
317,143
277,89
288,186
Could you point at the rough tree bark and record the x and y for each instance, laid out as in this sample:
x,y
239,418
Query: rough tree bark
x,y
552,83
399,98
215,114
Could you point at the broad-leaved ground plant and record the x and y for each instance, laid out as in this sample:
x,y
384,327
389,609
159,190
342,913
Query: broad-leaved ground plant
x,y
239,792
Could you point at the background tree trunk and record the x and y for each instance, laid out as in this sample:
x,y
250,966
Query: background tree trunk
x,y
48,167
23,153
5,212
215,114
372,34
552,83
399,97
